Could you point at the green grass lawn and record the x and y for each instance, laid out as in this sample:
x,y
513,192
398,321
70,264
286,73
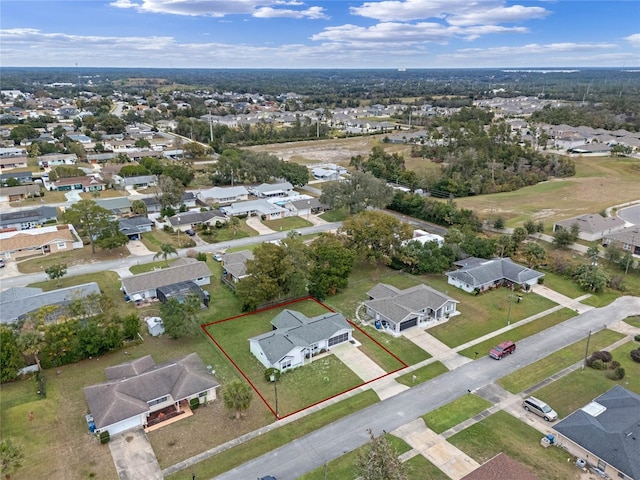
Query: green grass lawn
x,y
634,321
266,442
148,267
523,331
420,469
422,374
78,256
153,240
299,388
335,215
486,313
456,412
226,234
502,432
287,223
536,372
404,349
577,389
565,286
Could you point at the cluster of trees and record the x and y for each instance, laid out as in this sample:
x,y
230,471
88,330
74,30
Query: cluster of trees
x,y
612,114
357,192
390,167
293,269
95,225
435,211
243,166
182,171
56,335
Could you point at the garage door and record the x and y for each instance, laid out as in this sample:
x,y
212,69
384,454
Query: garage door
x,y
412,322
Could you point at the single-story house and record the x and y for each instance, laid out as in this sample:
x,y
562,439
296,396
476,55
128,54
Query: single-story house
x,y
86,184
592,226
180,291
17,303
224,195
135,390
39,241
423,237
234,266
133,183
189,199
15,194
605,433
55,159
26,219
395,310
305,207
325,174
627,239
23,177
133,227
479,274
591,150
268,190
7,152
13,162
295,337
117,205
101,157
152,204
263,208
145,285
187,220
501,467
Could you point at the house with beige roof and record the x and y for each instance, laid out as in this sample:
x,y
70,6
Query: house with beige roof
x,y
39,241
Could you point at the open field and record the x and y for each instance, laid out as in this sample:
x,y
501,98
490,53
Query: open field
x,y
78,256
599,183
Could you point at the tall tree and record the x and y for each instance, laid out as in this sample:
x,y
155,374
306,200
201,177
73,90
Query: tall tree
x,y
177,316
332,265
375,235
10,356
89,219
169,191
31,342
166,249
379,461
534,253
237,396
111,237
359,191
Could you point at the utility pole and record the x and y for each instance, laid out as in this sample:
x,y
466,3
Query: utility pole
x,y
633,239
509,311
210,127
586,352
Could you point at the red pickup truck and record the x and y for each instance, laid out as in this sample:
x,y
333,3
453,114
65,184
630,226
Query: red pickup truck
x,y
505,348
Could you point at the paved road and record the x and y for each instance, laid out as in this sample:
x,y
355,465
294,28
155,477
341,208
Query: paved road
x,y
313,450
630,214
124,263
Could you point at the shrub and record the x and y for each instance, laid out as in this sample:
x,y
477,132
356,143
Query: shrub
x,y
635,355
617,374
104,437
596,364
194,403
637,338
201,257
614,364
602,355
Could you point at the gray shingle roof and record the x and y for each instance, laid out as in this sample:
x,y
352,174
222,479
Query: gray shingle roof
x,y
494,270
614,434
124,397
592,223
192,218
294,329
187,269
32,215
235,264
27,300
397,304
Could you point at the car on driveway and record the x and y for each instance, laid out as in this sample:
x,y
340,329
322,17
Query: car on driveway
x,y
532,404
505,348
190,232
217,257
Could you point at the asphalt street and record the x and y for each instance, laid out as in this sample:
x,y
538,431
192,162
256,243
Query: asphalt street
x,y
325,444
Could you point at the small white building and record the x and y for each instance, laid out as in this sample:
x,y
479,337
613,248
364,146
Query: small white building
x,y
155,326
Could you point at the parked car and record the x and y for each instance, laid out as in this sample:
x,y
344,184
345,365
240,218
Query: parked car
x,y
190,232
1,263
268,477
217,257
505,348
532,404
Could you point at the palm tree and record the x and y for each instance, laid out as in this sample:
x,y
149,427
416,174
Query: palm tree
x,y
31,343
237,396
166,249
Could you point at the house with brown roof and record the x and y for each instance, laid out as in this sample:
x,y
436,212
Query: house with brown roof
x,y
39,241
501,467
145,285
592,227
139,393
86,184
15,194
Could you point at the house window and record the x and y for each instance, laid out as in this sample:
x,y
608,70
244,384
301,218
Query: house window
x,y
343,337
285,364
62,245
202,394
158,400
602,465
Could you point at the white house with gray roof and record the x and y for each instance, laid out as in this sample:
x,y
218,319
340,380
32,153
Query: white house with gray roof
x,y
296,337
591,227
224,195
479,274
135,390
605,433
268,190
144,285
394,310
260,207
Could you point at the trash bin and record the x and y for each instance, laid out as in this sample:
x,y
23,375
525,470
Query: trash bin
x,y
581,463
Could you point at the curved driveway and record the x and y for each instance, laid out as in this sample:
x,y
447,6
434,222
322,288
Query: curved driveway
x,y
325,444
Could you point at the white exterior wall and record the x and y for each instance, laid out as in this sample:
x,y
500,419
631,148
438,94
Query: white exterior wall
x,y
124,425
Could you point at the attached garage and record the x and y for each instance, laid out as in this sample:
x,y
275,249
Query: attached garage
x,y
412,322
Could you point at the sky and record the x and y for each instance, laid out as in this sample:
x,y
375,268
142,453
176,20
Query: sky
x,y
330,34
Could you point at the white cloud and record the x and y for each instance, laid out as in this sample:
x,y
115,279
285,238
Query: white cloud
x,y
221,8
493,16
634,40
387,32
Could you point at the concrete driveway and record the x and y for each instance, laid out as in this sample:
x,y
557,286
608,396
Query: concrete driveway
x,y
133,456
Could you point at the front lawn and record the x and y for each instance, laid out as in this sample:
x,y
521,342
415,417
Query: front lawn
x,y
153,240
287,223
536,372
485,313
422,374
577,389
523,331
502,432
634,321
456,412
77,256
408,352
337,215
314,382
